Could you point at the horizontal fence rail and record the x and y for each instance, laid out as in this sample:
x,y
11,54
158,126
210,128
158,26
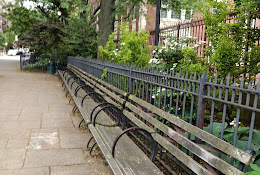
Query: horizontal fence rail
x,y
214,105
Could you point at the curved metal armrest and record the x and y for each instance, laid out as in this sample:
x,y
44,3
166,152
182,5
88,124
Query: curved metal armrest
x,y
69,80
105,107
154,144
72,84
241,165
82,101
78,88
66,75
93,110
64,72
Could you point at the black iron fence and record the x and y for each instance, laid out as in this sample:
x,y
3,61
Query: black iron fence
x,y
227,108
24,60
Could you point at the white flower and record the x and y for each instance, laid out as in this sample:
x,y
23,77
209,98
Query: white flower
x,y
174,65
154,60
241,64
122,43
154,51
196,45
233,123
237,64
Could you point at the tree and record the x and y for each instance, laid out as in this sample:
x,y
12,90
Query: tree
x,y
21,18
232,45
2,40
111,10
79,37
9,39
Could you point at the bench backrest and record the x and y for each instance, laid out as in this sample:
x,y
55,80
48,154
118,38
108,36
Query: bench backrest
x,y
170,135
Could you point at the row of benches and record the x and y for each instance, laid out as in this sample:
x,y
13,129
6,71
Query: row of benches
x,y
95,98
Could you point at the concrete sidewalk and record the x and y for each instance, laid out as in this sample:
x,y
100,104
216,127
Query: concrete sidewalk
x,y
38,134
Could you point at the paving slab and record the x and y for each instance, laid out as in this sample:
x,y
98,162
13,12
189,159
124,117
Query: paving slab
x,y
14,143
56,120
94,169
20,124
44,140
73,138
30,116
27,171
40,158
11,158
15,132
3,142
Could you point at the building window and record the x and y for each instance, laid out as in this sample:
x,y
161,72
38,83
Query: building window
x,y
188,15
176,14
163,13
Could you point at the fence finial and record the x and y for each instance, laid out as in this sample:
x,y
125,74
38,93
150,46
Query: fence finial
x,y
258,84
204,77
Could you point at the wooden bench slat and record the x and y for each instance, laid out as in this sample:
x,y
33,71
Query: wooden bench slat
x,y
183,157
214,161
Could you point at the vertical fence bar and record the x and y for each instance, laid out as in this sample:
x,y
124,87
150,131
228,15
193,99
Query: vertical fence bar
x,y
130,90
225,108
201,101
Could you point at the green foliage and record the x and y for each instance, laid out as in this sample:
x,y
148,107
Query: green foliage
x,y
191,62
232,49
242,138
38,65
180,54
79,37
9,39
21,18
256,170
2,40
132,48
104,75
42,37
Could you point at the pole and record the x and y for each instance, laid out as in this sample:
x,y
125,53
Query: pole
x,y
157,23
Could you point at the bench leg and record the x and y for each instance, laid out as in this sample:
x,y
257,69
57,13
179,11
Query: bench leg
x,y
89,141
74,110
91,149
70,99
81,122
67,93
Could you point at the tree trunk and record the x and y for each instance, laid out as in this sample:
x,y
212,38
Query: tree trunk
x,y
105,22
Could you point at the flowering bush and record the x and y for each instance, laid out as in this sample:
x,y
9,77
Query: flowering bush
x,y
132,48
179,54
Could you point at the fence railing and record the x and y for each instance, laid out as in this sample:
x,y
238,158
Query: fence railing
x,y
197,29
215,105
24,60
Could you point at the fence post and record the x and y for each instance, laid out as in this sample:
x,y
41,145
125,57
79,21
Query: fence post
x,y
130,89
201,101
21,62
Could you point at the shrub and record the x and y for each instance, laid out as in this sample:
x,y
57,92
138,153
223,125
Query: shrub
x,y
132,48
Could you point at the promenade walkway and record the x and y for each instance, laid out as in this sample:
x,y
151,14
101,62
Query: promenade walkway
x,y
38,134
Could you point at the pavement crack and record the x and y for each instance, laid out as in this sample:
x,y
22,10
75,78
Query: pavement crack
x,y
28,144
59,138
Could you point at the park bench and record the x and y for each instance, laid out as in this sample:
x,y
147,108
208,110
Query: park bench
x,y
201,157
129,159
